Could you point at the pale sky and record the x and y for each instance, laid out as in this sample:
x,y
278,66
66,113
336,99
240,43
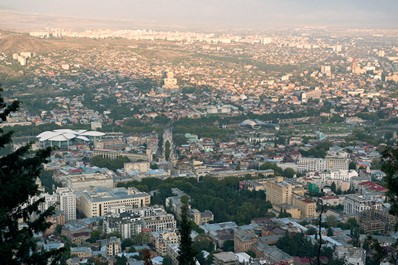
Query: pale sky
x,y
351,13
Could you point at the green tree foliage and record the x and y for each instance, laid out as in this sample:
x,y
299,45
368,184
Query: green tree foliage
x,y
330,232
295,244
46,178
228,245
142,238
167,150
222,197
287,173
333,187
186,253
284,214
121,260
331,221
128,242
203,243
352,165
112,164
95,235
167,260
318,151
251,253
390,168
18,173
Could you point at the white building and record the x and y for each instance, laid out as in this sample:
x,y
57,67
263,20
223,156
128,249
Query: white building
x,y
85,181
126,224
337,161
67,203
354,204
308,164
98,201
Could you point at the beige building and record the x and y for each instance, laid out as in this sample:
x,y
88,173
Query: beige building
x,y
278,191
113,246
141,167
306,206
161,240
97,201
170,82
85,181
336,161
293,211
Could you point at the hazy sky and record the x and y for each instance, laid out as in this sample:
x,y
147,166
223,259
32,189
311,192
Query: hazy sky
x,y
367,13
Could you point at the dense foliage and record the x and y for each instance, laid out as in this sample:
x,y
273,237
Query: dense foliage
x,y
222,197
295,244
112,164
18,173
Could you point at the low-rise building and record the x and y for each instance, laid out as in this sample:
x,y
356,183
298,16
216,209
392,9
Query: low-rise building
x,y
225,258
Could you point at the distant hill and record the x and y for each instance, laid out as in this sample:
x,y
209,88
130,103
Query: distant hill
x,y
18,43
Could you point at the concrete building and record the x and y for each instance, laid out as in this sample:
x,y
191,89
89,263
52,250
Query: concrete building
x,y
337,161
350,255
160,222
96,201
243,240
162,239
225,258
64,199
126,224
113,246
278,191
308,164
141,167
306,206
354,204
67,203
85,181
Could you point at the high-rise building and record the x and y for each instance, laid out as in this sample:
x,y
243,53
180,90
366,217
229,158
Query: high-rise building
x,y
278,191
67,203
113,246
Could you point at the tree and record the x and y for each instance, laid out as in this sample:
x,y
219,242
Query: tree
x,y
389,166
147,257
330,232
251,253
167,150
121,260
352,165
228,245
167,260
331,221
18,173
333,187
128,242
186,253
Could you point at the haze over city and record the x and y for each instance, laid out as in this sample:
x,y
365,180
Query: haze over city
x,y
224,13
208,132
